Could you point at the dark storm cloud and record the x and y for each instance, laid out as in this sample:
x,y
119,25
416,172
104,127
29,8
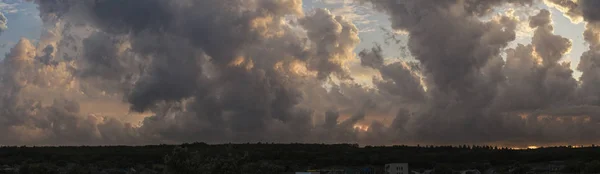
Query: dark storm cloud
x,y
101,56
474,95
260,70
169,36
172,74
397,79
588,11
212,71
535,77
450,43
334,39
459,55
550,47
589,65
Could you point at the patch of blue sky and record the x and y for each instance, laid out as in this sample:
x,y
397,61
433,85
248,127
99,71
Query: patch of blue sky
x,y
23,21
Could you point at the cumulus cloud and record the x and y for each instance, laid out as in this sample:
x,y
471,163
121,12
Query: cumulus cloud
x,y
536,78
263,70
231,72
334,39
473,95
29,120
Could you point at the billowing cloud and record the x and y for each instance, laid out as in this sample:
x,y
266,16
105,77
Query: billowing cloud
x,y
334,39
263,70
29,120
231,72
472,94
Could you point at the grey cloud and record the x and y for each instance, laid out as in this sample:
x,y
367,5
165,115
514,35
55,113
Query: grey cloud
x,y
457,60
247,71
586,9
570,8
591,35
211,68
588,65
372,58
454,49
541,19
27,121
590,10
3,22
101,57
473,95
549,46
535,78
211,74
172,75
399,80
47,58
331,118
334,39
408,13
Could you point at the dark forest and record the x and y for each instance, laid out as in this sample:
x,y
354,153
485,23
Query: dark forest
x,y
278,158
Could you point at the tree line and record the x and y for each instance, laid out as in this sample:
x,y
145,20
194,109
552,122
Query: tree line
x,y
275,158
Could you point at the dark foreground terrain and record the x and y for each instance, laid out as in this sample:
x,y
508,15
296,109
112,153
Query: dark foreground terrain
x,y
278,158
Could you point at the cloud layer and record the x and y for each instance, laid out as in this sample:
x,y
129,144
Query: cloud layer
x,y
152,71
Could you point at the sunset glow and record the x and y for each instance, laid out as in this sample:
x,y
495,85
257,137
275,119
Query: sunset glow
x,y
532,147
361,128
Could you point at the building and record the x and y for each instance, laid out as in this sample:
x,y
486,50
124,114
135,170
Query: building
x,y
472,171
8,169
422,172
396,168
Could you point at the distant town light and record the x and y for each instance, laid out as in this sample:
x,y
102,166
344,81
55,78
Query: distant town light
x,y
532,147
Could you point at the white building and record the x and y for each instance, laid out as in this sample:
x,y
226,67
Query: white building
x,y
396,168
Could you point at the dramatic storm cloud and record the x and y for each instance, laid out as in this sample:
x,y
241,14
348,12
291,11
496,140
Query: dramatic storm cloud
x,y
153,71
476,96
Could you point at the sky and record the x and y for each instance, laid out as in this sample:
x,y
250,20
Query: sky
x,y
512,73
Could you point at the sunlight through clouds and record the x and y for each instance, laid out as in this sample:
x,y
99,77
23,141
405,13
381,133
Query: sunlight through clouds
x,y
367,71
